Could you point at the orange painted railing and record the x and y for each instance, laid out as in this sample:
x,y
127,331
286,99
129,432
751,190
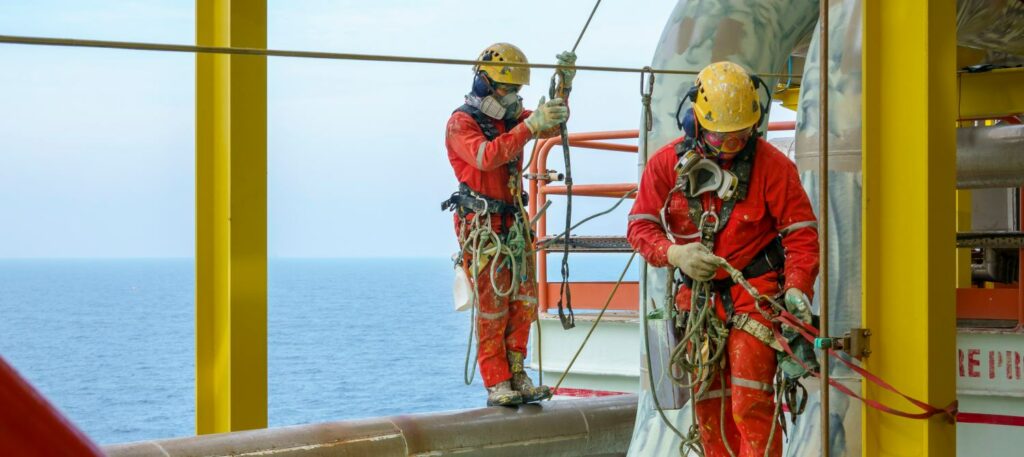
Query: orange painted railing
x,y
588,295
626,297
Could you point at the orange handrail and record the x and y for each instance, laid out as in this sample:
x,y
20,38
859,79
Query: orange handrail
x,y
539,192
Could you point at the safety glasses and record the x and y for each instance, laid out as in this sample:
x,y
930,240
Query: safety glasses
x,y
508,88
727,142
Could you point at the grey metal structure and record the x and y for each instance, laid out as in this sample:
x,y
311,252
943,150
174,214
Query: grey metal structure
x,y
990,157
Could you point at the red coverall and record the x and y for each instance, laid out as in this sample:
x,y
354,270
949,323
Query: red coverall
x,y
503,323
775,204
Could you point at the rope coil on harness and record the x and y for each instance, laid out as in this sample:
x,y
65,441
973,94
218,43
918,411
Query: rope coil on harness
x,y
488,249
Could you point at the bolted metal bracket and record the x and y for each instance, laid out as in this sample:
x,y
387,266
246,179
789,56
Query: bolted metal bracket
x,y
856,342
548,176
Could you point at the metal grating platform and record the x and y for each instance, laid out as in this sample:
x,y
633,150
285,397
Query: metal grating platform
x,y
1009,240
588,244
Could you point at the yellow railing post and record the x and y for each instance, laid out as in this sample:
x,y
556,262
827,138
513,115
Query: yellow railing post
x,y
963,224
231,218
909,166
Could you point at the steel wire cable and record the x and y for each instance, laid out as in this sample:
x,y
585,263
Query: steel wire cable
x,y
144,46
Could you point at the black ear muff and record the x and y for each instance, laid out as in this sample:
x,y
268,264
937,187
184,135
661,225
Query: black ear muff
x,y
482,85
760,84
691,94
684,117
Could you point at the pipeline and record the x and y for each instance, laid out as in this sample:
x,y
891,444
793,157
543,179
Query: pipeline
x,y
587,427
990,157
992,25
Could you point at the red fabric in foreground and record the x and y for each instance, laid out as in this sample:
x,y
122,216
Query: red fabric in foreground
x,y
30,426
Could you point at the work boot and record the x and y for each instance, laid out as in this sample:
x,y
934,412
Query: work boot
x,y
522,383
501,394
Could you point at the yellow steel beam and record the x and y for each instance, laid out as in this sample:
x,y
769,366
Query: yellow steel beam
x,y
963,224
788,97
909,164
966,57
991,94
231,218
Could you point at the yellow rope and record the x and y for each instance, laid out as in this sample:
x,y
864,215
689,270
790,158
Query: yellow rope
x,y
139,46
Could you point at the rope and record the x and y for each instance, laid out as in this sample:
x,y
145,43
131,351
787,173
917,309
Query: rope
x,y
775,415
579,38
689,442
529,249
478,239
808,332
142,46
587,219
596,321
559,90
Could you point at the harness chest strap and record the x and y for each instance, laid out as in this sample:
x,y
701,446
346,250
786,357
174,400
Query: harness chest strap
x,y
486,122
742,167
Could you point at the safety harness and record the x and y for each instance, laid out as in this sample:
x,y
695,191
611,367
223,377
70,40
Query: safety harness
x,y
465,200
481,245
709,220
486,122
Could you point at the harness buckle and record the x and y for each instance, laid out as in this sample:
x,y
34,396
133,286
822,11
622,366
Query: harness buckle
x,y
705,218
485,203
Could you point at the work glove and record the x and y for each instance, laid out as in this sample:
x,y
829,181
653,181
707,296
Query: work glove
x,y
567,58
802,350
798,304
694,259
548,115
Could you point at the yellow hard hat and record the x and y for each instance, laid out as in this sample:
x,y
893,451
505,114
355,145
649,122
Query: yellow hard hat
x,y
504,52
726,99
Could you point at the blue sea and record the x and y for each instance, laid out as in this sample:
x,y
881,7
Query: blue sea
x,y
112,342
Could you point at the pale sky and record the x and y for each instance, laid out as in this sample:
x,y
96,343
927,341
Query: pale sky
x,y
97,146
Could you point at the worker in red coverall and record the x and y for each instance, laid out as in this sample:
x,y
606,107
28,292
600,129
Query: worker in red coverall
x,y
765,227
485,140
